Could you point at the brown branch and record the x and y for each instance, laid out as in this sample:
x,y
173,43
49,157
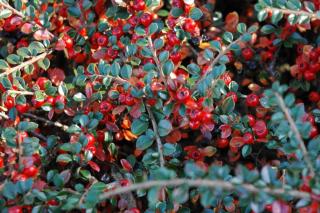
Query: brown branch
x,y
20,92
295,130
53,123
204,183
24,64
155,58
158,139
295,12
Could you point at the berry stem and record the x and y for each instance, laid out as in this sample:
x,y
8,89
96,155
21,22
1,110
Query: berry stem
x,y
205,183
24,64
295,130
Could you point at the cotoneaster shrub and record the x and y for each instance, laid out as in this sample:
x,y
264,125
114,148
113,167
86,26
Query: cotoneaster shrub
x,y
159,106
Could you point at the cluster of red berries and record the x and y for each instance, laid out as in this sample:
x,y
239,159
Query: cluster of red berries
x,y
307,63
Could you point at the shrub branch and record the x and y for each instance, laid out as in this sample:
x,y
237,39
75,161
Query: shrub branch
x,y
296,132
295,12
52,123
204,183
158,139
24,64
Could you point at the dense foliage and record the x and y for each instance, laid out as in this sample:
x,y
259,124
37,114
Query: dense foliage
x,y
159,106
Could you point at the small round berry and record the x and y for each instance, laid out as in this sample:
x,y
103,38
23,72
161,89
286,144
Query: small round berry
x,y
233,95
222,143
146,19
31,171
252,100
183,94
247,54
248,138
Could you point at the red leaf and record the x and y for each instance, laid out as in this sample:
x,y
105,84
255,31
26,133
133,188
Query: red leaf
x,y
135,111
94,166
56,75
281,207
225,130
100,154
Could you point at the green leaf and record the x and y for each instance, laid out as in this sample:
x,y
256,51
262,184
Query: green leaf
x,y
153,28
13,59
164,127
79,97
268,29
262,15
242,28
176,12
228,37
9,190
276,16
126,71
195,14
3,64
246,150
44,64
216,45
74,11
168,149
27,126
5,13
168,67
163,13
139,126
228,105
144,142
64,158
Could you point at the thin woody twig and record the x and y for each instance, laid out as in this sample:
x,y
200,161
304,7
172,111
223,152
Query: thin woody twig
x,y
295,12
19,92
24,64
158,139
53,123
295,130
204,183
216,60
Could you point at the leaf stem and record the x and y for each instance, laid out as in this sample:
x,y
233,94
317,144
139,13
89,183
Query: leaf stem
x,y
295,12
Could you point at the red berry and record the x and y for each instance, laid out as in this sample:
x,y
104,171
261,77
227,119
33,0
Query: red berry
x,y
313,132
41,82
260,129
1,163
31,171
173,39
252,100
68,41
146,19
53,202
102,40
183,94
15,209
129,100
247,54
222,143
9,102
195,114
105,107
91,140
189,25
248,138
139,5
194,124
22,108
309,75
250,120
314,96
175,57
